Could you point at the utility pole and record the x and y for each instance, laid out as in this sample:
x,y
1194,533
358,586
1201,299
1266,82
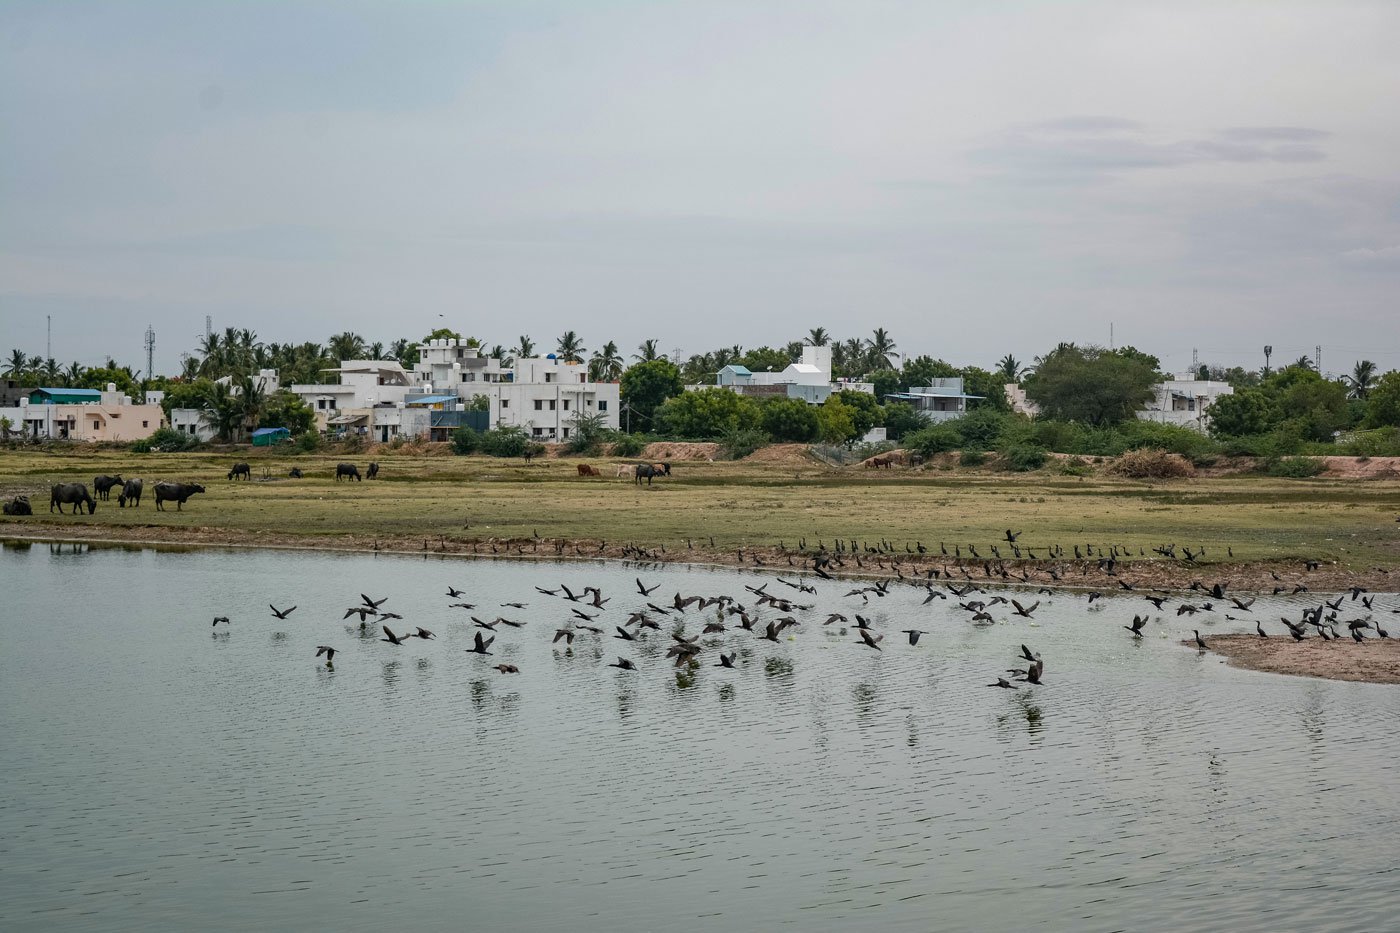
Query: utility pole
x,y
1195,364
1317,359
1268,352
1111,345
150,352
48,339
208,325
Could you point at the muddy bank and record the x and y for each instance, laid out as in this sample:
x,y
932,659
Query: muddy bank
x,y
1375,661
1133,576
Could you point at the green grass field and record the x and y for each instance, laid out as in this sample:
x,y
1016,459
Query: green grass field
x,y
739,503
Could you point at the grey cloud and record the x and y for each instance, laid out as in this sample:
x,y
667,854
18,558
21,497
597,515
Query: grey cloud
x,y
1274,133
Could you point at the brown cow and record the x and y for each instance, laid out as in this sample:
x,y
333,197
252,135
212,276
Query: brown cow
x,y
586,470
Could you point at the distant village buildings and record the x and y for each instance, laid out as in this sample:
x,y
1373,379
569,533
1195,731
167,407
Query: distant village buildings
x,y
809,379
82,415
1184,401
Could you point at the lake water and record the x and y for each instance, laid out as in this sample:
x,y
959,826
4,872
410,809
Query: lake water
x,y
163,775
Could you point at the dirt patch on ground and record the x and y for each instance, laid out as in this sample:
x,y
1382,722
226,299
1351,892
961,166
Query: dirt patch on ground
x,y
781,453
677,450
1375,661
1362,467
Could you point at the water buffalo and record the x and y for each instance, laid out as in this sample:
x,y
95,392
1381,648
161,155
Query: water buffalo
x,y
295,473
74,494
131,492
175,492
647,471
240,469
347,471
102,485
373,471
19,505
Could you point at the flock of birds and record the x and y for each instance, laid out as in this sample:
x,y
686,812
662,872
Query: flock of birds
x,y
768,615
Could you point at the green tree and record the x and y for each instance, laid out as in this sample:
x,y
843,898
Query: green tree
x,y
1245,412
346,346
524,348
923,370
901,419
479,403
789,419
1317,407
836,422
223,411
707,413
764,359
98,377
442,333
646,385
1010,369
1362,378
1091,385
885,382
818,337
17,365
866,411
465,441
882,348
646,351
989,386
606,364
1383,402
934,439
569,348
285,410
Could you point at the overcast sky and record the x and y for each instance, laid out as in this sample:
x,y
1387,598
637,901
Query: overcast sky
x,y
977,177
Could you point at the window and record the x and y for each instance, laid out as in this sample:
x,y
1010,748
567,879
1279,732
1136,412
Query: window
x,y
539,432
566,404
145,424
602,405
583,377
551,404
566,432
589,402
505,403
549,377
539,404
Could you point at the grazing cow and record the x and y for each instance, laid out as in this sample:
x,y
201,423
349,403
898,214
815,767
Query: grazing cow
x,y
662,469
347,472
74,494
102,485
241,470
19,505
626,469
131,492
647,471
585,470
373,471
295,473
175,492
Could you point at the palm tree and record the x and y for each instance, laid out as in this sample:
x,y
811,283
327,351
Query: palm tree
x,y
252,400
1010,368
18,364
882,347
223,411
794,350
1362,378
606,364
570,349
50,371
346,346
1303,362
646,351
818,337
376,350
524,348
852,356
74,374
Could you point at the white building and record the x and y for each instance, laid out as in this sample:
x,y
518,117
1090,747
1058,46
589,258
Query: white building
x,y
942,401
808,379
1184,401
192,421
379,399
83,415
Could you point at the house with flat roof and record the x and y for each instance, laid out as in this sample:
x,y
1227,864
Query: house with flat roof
x,y
944,400
83,415
809,379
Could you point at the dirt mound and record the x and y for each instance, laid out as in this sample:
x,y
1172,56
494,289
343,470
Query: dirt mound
x,y
780,453
1362,467
680,450
1151,463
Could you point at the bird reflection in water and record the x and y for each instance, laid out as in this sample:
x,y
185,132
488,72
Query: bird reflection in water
x,y
780,669
390,672
867,700
726,693
1025,710
480,693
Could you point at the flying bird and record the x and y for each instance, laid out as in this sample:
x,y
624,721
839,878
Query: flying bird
x,y
281,613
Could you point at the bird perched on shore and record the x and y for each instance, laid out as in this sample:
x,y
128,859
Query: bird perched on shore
x,y
1200,642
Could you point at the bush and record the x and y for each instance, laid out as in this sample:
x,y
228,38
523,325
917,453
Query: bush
x,y
628,445
1294,467
465,440
588,434
984,427
741,442
934,439
1076,466
307,442
1026,457
165,439
789,419
972,456
505,442
1152,463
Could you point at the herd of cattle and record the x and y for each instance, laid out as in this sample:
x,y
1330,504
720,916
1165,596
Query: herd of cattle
x,y
129,491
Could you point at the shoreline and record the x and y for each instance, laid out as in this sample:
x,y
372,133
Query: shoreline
x,y
1145,574
1377,661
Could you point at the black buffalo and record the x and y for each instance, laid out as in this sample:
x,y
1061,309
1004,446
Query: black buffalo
x,y
131,493
373,471
19,505
347,471
74,494
103,485
295,473
240,469
175,492
648,471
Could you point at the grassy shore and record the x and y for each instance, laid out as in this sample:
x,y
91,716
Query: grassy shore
x,y
454,502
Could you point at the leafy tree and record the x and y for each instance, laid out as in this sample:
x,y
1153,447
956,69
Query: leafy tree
x,y
99,376
866,411
884,382
569,348
347,346
1246,412
983,428
934,439
789,419
17,365
1383,402
646,385
923,370
186,395
479,403
901,419
707,413
285,410
1362,378
818,337
465,441
442,333
1092,385
763,359
836,422
223,411
988,385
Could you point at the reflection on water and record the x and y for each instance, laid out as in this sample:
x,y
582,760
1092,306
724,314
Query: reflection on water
x,y
160,775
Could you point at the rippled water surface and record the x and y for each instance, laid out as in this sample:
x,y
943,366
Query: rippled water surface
x,y
159,774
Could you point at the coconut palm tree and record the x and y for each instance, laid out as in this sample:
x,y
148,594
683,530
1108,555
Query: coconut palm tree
x,y
74,373
1362,378
346,346
1303,362
17,365
223,411
817,337
852,356
524,348
646,351
570,349
882,348
376,350
252,399
606,364
1010,369
50,371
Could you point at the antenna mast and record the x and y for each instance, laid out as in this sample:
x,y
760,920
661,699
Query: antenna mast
x,y
150,352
